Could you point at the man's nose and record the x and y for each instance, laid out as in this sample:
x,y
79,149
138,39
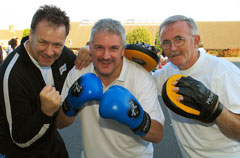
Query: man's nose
x,y
49,50
173,47
106,54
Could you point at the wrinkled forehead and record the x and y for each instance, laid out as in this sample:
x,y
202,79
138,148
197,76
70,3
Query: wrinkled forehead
x,y
107,37
172,30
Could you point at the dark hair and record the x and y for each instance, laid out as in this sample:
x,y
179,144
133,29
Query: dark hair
x,y
163,53
53,15
152,48
13,43
87,43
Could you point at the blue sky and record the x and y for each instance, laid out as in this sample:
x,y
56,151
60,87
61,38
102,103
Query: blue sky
x,y
20,12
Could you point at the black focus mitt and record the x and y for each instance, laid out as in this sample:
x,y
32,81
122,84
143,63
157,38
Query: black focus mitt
x,y
198,101
143,56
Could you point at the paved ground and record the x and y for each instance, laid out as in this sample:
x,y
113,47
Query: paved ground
x,y
167,148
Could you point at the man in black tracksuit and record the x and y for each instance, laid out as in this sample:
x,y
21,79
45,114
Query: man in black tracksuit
x,y
31,78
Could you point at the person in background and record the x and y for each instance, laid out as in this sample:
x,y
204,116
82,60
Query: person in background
x,y
87,43
12,44
32,78
163,60
152,48
18,41
210,78
114,122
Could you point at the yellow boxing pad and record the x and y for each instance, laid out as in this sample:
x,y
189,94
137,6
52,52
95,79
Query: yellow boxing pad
x,y
170,99
143,56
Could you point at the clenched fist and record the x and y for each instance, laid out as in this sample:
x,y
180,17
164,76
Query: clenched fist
x,y
50,100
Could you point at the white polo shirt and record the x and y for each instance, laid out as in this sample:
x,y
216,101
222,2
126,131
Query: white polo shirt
x,y
106,138
200,140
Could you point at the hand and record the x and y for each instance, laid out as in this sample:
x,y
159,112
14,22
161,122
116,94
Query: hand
x,y
87,88
197,95
84,58
50,100
120,105
190,98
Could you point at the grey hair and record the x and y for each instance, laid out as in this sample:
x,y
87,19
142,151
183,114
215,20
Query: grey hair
x,y
173,19
109,26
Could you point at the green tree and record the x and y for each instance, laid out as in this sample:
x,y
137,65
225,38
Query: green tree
x,y
25,32
139,35
157,41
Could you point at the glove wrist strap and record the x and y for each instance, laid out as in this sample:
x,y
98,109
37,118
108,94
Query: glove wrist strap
x,y
144,127
68,110
216,113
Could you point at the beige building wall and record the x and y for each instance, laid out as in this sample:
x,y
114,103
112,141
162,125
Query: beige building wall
x,y
214,35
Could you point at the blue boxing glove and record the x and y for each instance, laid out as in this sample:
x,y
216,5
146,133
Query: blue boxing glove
x,y
120,105
87,88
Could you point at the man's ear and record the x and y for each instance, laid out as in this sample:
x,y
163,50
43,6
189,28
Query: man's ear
x,y
90,48
30,36
196,40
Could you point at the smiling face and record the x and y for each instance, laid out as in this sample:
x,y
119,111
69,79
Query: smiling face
x,y
107,51
46,42
182,56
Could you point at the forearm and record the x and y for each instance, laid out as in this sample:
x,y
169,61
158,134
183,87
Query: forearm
x,y
229,124
24,130
63,120
155,133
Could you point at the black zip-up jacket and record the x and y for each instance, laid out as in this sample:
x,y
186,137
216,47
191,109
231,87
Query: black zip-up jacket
x,y
25,131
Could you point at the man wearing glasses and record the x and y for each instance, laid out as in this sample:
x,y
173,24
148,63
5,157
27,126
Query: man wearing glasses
x,y
211,77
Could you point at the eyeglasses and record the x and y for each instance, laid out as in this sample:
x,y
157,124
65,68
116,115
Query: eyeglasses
x,y
178,42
